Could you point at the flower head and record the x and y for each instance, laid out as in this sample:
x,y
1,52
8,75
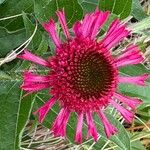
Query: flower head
x,y
84,75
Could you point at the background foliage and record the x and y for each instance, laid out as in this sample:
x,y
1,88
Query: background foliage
x,y
20,27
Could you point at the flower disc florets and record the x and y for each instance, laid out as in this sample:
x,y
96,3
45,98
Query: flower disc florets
x,y
87,75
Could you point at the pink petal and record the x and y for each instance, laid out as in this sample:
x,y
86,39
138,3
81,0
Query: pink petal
x,y
58,120
51,29
91,24
62,20
131,102
138,80
130,61
62,129
33,58
77,29
115,34
91,126
109,128
30,77
128,115
132,55
99,22
30,87
78,136
87,24
45,109
113,27
59,126
130,50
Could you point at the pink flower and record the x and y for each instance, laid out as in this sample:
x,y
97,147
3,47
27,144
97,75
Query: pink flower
x,y
84,75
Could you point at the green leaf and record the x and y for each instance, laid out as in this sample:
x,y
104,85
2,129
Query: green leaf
x,y
122,8
15,112
14,7
43,45
24,114
11,8
4,76
30,27
46,10
137,10
117,138
9,102
132,90
9,41
134,70
144,112
1,1
137,145
89,5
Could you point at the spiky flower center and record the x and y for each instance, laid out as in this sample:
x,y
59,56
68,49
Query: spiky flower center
x,y
91,75
87,75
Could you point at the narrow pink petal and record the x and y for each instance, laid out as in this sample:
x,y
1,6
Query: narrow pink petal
x,y
114,39
132,55
30,87
138,80
128,115
62,128
115,34
77,29
42,111
131,102
119,35
92,23
78,136
30,77
99,22
33,58
130,50
91,126
59,126
87,24
62,20
58,121
50,27
113,27
84,28
130,61
108,127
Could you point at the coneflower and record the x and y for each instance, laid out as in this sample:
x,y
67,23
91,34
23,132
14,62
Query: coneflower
x,y
84,75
